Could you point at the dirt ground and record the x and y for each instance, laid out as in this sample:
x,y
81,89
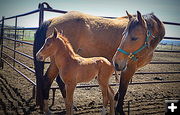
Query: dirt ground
x,y
16,92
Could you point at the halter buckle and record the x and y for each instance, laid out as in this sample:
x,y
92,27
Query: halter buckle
x,y
148,33
130,55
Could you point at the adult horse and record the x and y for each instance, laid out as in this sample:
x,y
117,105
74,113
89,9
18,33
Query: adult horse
x,y
140,38
90,36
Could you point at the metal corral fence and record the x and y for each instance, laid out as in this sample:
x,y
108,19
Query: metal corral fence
x,y
17,38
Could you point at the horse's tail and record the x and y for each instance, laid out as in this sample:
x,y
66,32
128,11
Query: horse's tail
x,y
39,40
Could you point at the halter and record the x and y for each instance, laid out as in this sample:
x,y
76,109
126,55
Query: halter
x,y
132,55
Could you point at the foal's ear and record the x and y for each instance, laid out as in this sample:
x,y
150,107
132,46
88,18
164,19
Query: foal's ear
x,y
129,15
61,32
141,19
55,33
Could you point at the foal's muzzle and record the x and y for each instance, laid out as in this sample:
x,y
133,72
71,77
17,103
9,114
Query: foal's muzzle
x,y
39,58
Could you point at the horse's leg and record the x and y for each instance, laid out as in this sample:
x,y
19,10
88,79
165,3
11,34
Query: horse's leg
x,y
69,98
48,78
124,81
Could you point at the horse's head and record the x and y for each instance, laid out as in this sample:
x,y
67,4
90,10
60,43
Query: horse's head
x,y
49,47
139,34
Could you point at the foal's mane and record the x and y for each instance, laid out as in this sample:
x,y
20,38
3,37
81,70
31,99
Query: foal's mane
x,y
66,43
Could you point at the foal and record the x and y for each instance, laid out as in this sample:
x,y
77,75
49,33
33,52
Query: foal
x,y
74,69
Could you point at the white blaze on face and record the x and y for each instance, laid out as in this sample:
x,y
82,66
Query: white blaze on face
x,y
124,37
126,34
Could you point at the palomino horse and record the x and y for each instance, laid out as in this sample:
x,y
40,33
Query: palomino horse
x,y
75,69
90,36
140,38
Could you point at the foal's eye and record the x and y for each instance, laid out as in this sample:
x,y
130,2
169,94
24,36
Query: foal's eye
x,y
47,44
134,38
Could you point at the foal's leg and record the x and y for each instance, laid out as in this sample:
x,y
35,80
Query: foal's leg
x,y
70,87
104,76
103,83
111,99
61,86
104,90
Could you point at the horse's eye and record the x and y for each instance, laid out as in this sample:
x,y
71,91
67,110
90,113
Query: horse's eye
x,y
134,38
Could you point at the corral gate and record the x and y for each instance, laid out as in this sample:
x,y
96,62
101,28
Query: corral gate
x,y
11,60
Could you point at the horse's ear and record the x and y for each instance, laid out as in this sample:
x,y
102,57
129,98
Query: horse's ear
x,y
129,15
141,19
55,33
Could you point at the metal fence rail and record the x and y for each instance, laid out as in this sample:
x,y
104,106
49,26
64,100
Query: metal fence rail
x,y
41,11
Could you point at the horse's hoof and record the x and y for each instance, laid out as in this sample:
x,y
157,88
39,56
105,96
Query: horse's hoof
x,y
119,113
48,113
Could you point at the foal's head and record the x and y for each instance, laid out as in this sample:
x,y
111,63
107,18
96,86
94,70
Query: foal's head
x,y
49,48
140,34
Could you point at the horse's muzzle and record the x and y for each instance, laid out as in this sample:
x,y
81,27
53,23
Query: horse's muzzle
x,y
117,67
120,67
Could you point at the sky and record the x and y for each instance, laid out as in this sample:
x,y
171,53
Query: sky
x,y
165,10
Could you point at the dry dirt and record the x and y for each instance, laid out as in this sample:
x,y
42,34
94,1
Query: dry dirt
x,y
16,92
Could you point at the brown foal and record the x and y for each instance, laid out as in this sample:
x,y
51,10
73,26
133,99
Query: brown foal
x,y
74,69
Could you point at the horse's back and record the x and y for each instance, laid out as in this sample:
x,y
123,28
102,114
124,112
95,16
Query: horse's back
x,y
86,33
75,19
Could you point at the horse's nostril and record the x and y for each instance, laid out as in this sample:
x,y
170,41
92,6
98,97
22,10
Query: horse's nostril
x,y
120,67
117,67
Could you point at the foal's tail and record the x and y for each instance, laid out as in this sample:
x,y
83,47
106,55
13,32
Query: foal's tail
x,y
39,40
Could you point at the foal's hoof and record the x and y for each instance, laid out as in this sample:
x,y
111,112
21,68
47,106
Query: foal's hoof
x,y
75,108
104,111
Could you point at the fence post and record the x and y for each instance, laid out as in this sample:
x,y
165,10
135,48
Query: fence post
x,y
1,43
41,14
39,73
15,37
